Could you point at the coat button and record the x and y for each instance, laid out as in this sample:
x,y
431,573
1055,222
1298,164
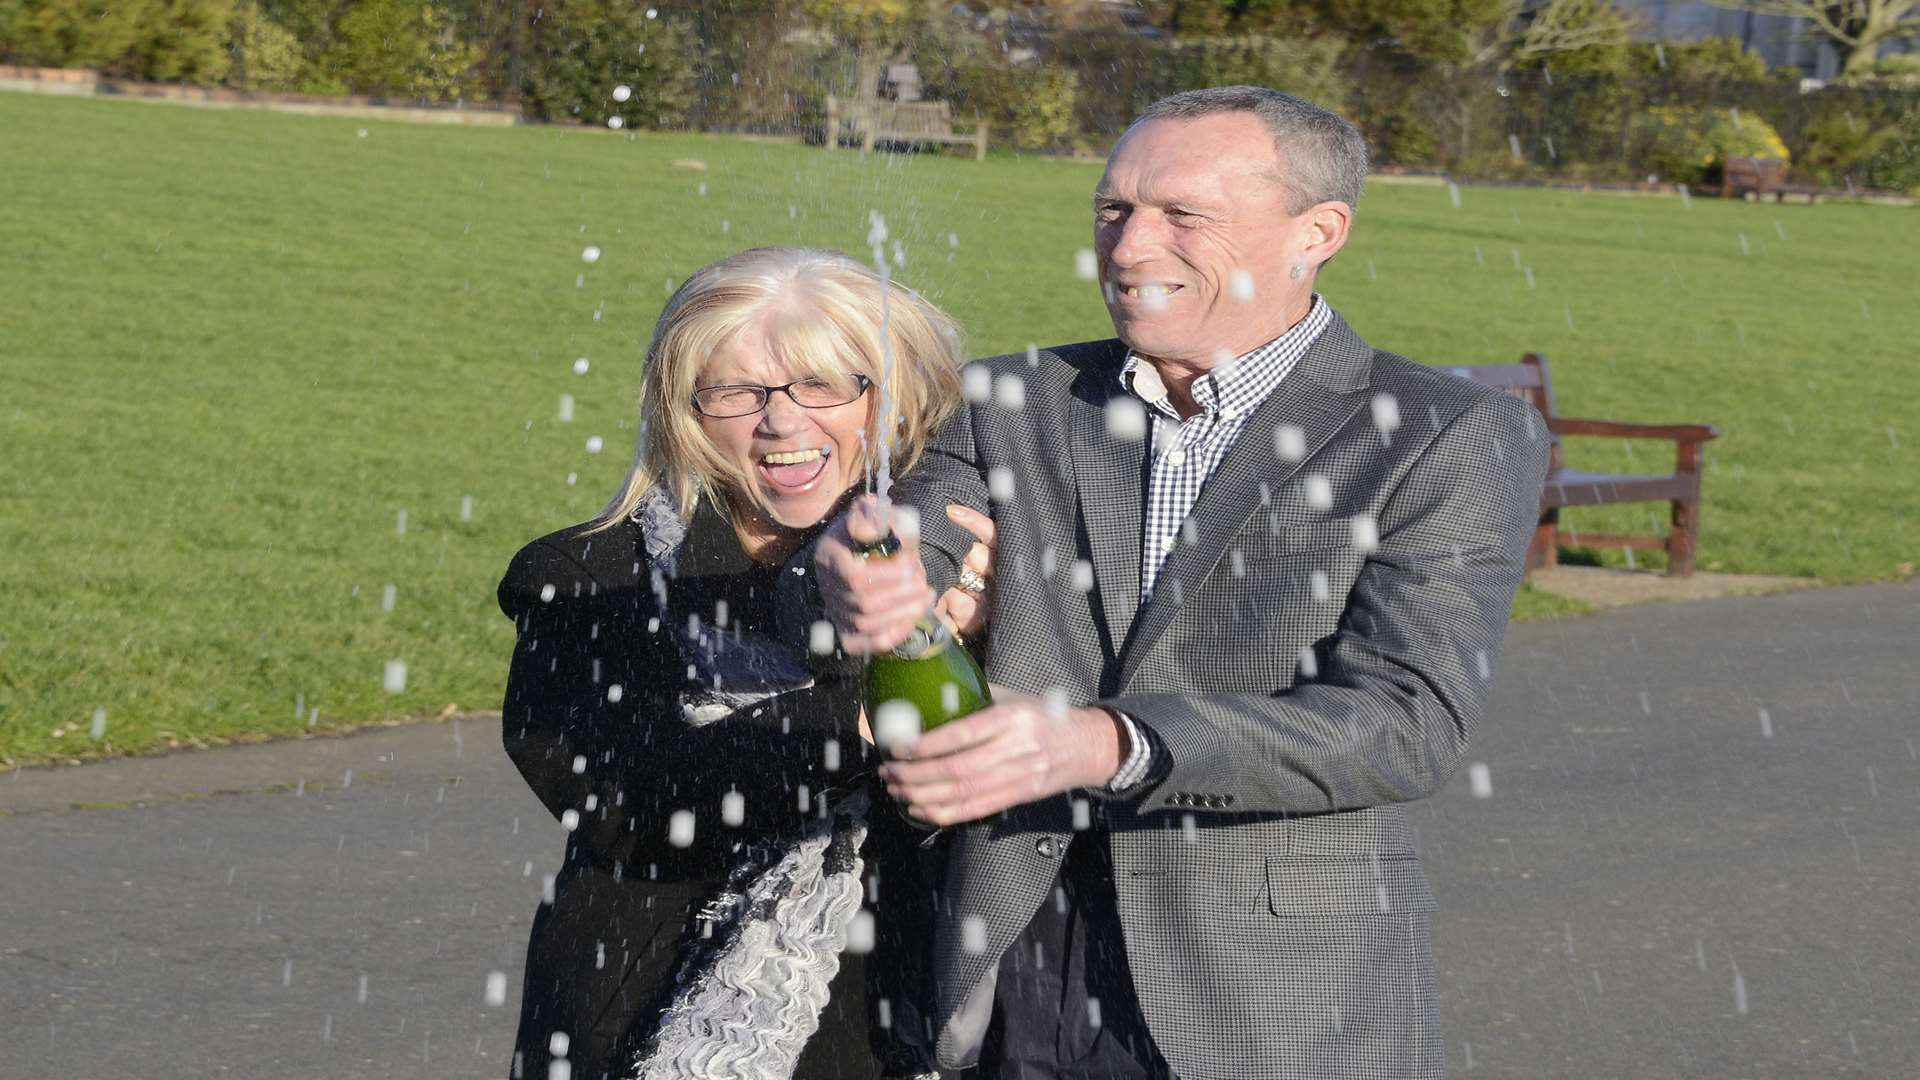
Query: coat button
x,y
1045,846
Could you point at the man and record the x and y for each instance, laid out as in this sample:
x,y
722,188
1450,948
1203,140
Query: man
x,y
1252,575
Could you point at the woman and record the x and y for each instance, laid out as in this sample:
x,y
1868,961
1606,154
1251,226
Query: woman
x,y
708,917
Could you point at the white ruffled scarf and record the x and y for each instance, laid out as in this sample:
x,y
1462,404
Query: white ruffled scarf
x,y
749,994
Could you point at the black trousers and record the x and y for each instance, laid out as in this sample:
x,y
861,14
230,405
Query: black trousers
x,y
1065,1007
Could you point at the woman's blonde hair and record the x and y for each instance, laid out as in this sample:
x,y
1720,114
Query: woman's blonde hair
x,y
822,314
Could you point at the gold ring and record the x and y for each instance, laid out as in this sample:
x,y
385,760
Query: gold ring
x,y
971,582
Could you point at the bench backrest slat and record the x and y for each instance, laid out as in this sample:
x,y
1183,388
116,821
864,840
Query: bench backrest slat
x,y
1753,172
899,117
1528,380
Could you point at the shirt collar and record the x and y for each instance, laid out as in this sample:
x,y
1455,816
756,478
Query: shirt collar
x,y
1234,388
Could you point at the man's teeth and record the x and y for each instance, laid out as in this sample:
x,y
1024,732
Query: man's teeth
x,y
793,457
1136,291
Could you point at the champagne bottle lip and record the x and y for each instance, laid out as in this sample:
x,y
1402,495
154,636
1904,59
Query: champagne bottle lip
x,y
882,548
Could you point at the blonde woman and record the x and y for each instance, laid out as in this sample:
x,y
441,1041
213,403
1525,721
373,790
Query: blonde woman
x,y
709,917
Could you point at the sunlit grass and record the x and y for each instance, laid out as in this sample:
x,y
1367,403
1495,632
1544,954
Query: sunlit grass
x,y
235,347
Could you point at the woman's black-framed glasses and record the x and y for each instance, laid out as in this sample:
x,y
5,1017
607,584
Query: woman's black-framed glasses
x,y
726,402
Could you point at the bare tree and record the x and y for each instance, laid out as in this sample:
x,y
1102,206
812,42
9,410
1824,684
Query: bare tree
x,y
1857,28
1484,40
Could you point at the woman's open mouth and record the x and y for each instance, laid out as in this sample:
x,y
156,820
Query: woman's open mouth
x,y
793,472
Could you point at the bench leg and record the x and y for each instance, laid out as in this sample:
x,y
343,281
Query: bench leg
x,y
1543,552
1684,537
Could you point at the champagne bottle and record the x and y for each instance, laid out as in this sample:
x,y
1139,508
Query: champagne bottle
x,y
924,681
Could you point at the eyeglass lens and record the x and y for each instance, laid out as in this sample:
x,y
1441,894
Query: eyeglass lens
x,y
727,401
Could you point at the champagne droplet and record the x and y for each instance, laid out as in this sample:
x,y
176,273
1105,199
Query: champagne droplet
x,y
1366,532
1289,443
976,383
896,725
1386,412
1319,492
1082,575
1000,484
1126,419
973,934
1010,392
1480,780
820,638
860,933
680,829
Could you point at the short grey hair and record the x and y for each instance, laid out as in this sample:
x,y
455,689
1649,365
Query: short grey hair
x,y
1322,155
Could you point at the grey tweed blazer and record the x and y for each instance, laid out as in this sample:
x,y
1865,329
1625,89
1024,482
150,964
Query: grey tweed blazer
x,y
1302,677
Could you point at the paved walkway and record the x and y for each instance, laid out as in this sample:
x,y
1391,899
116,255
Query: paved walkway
x,y
1695,858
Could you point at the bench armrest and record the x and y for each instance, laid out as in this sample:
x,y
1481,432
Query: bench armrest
x,y
1562,425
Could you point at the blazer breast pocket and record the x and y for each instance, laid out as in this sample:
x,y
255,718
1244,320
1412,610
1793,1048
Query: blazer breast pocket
x,y
1293,570
1305,888
1260,540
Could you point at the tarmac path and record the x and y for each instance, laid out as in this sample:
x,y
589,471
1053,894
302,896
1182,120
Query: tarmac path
x,y
1690,851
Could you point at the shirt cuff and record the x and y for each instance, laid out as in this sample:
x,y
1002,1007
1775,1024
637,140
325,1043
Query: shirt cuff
x,y
1139,757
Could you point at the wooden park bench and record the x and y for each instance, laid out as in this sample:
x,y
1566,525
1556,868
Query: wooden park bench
x,y
1758,178
1529,380
904,122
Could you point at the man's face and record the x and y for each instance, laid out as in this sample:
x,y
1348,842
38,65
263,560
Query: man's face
x,y
1195,240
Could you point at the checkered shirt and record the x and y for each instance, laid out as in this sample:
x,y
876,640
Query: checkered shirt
x,y
1185,454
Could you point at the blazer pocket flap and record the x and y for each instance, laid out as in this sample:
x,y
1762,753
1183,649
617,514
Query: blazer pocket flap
x,y
1308,888
1295,539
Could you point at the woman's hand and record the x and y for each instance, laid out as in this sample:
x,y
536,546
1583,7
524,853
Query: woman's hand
x,y
965,612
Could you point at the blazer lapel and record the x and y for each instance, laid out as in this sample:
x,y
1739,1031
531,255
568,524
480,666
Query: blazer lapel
x,y
1108,472
1318,396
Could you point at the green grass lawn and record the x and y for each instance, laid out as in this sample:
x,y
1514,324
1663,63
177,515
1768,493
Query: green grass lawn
x,y
236,347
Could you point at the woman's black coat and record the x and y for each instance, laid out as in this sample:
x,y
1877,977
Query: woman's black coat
x,y
592,720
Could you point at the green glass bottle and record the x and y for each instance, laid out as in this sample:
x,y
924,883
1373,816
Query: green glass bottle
x,y
925,681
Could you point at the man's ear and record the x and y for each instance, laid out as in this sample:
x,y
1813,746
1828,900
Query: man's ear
x,y
1328,225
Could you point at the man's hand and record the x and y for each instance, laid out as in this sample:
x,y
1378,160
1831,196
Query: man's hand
x,y
1016,751
873,603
